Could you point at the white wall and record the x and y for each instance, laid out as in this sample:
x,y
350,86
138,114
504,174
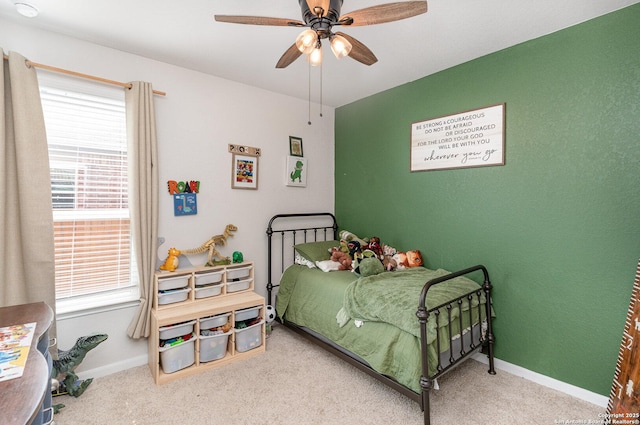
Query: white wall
x,y
196,121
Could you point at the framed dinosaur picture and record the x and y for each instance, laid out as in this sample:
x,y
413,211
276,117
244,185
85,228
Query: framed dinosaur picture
x,y
296,172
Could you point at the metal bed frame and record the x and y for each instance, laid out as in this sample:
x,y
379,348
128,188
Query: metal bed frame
x,y
464,348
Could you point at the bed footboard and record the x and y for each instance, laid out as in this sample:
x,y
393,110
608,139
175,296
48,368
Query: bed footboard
x,y
469,342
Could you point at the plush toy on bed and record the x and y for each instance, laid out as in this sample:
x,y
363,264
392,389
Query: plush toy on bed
x,y
375,246
344,247
342,258
355,249
369,266
408,259
360,257
348,236
401,260
389,263
414,258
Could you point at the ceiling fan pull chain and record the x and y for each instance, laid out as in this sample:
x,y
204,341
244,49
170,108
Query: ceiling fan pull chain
x,y
321,90
309,96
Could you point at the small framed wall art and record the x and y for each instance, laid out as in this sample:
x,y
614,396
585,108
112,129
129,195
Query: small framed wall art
x,y
297,171
185,204
244,171
295,146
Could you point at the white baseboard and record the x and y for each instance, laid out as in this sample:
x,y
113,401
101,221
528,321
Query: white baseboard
x,y
572,390
110,368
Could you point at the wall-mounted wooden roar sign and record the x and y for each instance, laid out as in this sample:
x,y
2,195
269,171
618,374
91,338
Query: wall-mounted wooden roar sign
x,y
245,150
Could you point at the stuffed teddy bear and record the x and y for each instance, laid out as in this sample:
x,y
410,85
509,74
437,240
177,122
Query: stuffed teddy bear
x,y
342,258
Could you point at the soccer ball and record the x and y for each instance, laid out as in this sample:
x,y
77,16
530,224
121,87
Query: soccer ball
x,y
270,315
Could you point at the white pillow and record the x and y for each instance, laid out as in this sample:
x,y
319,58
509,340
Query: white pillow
x,y
328,265
304,262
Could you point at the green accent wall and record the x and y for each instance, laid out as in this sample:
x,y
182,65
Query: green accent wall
x,y
558,226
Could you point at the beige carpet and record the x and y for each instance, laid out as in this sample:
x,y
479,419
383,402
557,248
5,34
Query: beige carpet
x,y
295,382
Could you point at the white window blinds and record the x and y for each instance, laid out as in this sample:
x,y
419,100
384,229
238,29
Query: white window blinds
x,y
86,133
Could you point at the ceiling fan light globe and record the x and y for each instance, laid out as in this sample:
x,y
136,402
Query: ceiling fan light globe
x,y
340,46
307,41
315,57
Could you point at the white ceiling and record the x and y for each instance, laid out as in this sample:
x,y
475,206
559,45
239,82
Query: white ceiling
x,y
184,33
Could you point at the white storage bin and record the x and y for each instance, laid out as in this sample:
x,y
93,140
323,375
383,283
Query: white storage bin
x,y
179,356
208,291
213,347
247,313
173,282
238,286
238,273
214,321
174,331
206,278
249,337
173,296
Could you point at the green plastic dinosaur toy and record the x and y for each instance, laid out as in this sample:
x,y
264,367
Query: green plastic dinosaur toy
x,y
63,368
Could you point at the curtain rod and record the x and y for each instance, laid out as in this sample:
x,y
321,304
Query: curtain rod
x,y
78,74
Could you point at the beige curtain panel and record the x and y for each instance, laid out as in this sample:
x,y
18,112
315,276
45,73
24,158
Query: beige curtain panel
x,y
27,272
143,198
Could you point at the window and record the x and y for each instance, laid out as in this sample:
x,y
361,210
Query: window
x,y
86,133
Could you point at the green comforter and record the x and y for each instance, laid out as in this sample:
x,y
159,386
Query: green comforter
x,y
388,339
393,297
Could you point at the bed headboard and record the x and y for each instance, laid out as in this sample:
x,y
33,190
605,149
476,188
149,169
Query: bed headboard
x,y
286,230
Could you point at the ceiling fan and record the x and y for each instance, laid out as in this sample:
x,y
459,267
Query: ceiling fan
x,y
320,16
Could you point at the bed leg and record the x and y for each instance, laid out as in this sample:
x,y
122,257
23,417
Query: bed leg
x,y
425,382
490,338
269,289
426,385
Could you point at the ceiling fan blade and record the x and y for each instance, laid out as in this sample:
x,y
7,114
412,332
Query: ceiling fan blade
x,y
289,56
359,51
324,4
382,13
259,20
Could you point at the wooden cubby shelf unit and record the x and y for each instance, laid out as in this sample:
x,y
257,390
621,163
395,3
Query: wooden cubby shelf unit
x,y
195,309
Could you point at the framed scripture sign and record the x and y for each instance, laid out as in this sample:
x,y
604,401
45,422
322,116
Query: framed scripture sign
x,y
468,139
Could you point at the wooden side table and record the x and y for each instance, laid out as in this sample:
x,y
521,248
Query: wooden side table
x,y
22,399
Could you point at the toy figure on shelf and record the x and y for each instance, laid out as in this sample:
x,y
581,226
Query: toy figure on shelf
x,y
210,247
172,261
238,257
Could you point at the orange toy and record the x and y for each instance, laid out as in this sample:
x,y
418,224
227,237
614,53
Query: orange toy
x,y
414,258
171,263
